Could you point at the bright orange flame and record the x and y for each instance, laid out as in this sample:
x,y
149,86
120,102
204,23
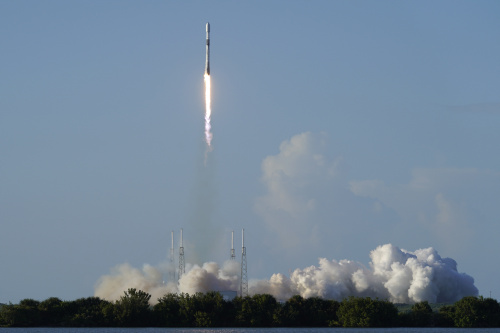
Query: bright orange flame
x,y
208,112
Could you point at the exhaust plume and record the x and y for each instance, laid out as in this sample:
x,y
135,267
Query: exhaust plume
x,y
394,274
124,276
208,277
208,113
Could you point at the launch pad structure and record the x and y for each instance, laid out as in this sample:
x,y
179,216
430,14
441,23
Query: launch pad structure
x,y
243,287
171,259
243,276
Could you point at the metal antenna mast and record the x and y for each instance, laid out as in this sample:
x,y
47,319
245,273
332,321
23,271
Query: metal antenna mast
x,y
244,277
181,259
233,255
172,267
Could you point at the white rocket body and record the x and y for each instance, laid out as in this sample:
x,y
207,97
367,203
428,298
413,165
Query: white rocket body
x,y
207,61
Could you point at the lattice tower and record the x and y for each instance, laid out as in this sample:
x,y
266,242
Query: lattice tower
x,y
244,276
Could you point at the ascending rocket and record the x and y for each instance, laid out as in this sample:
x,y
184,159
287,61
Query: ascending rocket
x,y
207,63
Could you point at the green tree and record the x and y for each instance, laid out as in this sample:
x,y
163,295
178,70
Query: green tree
x,y
87,312
132,309
201,309
263,308
187,310
333,319
366,312
293,311
309,312
256,311
202,319
24,314
108,310
51,312
219,312
445,316
320,312
243,308
477,312
491,312
279,316
167,311
421,315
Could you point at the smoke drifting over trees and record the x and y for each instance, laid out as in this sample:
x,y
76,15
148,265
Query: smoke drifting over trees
x,y
397,275
394,274
208,277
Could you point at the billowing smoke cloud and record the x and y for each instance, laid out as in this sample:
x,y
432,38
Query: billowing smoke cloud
x,y
124,276
394,274
300,182
208,277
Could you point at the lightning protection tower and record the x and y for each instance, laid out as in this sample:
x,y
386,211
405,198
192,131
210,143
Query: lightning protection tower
x,y
172,264
233,255
181,259
244,277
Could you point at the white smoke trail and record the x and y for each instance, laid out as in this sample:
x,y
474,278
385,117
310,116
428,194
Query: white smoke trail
x,y
394,274
208,113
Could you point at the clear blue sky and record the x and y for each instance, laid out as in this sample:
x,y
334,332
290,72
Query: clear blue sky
x,y
338,126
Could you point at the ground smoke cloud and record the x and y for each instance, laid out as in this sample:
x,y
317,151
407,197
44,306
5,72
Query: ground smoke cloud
x,y
208,277
397,275
394,274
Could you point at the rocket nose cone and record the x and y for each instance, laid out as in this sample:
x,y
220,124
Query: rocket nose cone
x,y
208,27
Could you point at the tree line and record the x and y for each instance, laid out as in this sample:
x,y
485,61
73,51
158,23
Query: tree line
x,y
262,310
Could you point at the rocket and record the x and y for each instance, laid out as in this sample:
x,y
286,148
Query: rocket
x,y
207,61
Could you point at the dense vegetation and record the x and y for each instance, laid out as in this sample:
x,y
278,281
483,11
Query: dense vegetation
x,y
211,310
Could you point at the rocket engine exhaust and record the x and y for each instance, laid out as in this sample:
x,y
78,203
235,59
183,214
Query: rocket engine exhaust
x,y
208,107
